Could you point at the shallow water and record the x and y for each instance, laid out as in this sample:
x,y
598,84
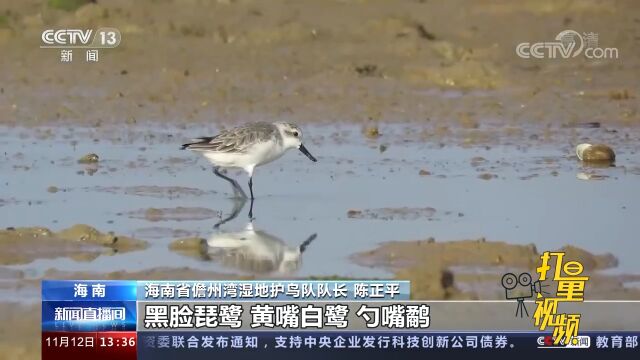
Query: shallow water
x,y
535,196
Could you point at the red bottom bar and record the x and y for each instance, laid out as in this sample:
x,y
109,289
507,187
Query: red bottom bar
x,y
116,345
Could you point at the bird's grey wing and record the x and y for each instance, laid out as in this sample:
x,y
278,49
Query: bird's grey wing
x,y
234,140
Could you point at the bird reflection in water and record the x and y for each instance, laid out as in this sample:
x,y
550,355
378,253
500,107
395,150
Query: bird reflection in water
x,y
253,251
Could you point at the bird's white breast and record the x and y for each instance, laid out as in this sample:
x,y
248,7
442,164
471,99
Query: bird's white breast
x,y
257,154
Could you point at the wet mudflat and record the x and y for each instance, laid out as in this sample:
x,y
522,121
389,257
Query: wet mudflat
x,y
398,185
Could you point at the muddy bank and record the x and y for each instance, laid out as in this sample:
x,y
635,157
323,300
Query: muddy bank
x,y
472,269
356,61
79,242
480,252
192,247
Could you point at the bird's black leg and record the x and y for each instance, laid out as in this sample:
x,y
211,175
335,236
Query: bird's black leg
x,y
251,186
237,189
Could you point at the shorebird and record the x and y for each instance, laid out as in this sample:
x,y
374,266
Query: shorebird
x,y
247,147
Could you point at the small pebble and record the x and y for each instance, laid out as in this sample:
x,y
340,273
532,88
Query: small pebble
x,y
89,159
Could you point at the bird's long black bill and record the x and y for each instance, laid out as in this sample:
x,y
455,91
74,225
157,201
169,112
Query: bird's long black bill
x,y
307,153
